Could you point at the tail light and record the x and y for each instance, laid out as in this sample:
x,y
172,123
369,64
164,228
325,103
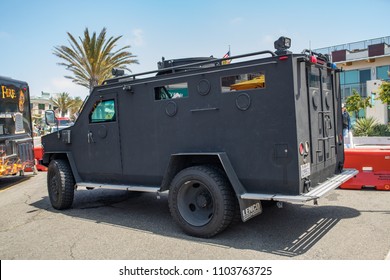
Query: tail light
x,y
304,148
301,149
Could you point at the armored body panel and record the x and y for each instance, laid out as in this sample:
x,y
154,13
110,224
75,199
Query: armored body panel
x,y
270,125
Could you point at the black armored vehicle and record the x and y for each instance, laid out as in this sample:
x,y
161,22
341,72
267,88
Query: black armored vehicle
x,y
220,137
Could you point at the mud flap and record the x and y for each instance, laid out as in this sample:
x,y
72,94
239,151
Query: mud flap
x,y
249,208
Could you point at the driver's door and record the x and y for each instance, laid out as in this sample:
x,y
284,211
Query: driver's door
x,y
101,160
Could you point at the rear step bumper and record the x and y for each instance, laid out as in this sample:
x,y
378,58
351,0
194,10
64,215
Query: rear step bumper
x,y
319,191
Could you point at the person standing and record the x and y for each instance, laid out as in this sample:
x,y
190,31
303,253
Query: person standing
x,y
346,127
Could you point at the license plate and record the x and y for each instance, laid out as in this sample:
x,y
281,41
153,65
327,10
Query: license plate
x,y
305,170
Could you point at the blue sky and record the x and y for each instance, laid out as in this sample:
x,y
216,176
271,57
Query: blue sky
x,y
29,30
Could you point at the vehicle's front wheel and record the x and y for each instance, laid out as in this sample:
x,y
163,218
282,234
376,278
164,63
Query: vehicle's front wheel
x,y
202,201
60,184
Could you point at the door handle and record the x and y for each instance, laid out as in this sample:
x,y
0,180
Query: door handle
x,y
90,137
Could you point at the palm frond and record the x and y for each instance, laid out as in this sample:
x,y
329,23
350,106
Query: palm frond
x,y
90,59
364,126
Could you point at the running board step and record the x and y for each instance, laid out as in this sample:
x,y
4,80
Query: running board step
x,y
319,191
120,187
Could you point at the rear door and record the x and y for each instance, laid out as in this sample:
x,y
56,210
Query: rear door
x,y
328,116
321,115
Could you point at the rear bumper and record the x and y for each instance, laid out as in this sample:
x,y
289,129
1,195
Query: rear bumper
x,y
319,191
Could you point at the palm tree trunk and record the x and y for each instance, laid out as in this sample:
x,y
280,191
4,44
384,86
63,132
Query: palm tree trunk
x,y
93,82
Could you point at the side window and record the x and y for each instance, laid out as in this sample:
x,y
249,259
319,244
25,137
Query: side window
x,y
245,81
171,91
103,111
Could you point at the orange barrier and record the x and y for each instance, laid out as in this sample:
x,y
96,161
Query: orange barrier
x,y
38,152
373,166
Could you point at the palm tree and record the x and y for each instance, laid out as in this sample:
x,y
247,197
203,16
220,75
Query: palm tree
x,y
75,107
63,102
92,60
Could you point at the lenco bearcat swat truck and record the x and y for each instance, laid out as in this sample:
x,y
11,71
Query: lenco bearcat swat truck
x,y
221,137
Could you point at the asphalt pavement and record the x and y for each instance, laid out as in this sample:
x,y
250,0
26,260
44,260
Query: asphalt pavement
x,y
116,225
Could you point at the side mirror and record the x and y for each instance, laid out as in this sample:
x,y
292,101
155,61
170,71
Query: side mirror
x,y
50,118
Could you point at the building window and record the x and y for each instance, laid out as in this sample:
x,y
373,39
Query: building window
x,y
354,80
364,75
382,72
41,106
350,77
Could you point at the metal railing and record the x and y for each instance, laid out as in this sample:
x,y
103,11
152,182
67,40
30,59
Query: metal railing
x,y
347,89
354,46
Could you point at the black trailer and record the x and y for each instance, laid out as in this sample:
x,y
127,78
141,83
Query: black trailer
x,y
16,143
220,137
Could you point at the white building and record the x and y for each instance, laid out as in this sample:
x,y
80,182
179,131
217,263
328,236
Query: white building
x,y
39,104
365,65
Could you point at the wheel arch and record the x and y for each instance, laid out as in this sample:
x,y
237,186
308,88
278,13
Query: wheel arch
x,y
181,161
47,157
201,200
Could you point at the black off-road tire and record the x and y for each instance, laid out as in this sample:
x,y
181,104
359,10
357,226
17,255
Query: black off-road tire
x,y
60,184
202,201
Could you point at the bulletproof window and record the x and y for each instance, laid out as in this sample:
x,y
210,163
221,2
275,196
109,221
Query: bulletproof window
x,y
245,81
103,111
171,91
314,78
327,82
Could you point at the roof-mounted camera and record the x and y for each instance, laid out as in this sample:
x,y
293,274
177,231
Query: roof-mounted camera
x,y
282,45
117,72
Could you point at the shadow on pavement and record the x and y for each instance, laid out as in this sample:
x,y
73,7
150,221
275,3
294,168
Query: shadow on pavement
x,y
9,181
290,231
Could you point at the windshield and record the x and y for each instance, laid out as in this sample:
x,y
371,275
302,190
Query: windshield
x,y
14,110
64,123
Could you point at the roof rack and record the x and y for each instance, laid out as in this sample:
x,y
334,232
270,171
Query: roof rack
x,y
216,61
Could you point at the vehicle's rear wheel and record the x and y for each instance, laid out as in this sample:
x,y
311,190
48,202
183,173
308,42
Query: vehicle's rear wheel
x,y
60,184
202,201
